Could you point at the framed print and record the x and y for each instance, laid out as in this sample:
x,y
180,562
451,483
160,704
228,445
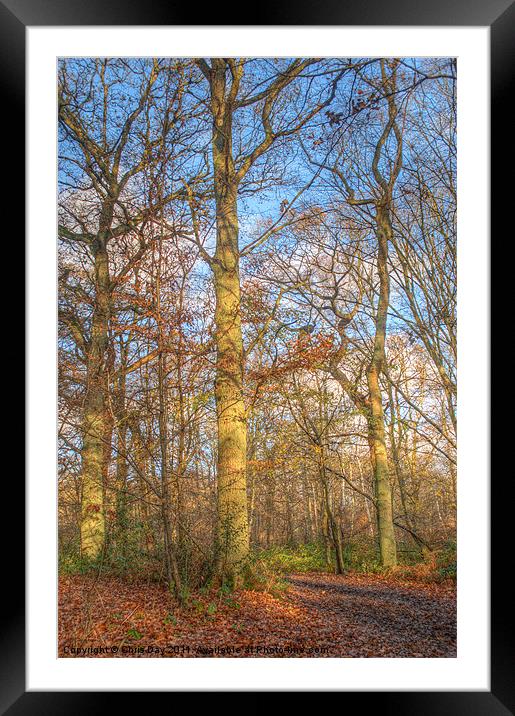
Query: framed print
x,y
257,356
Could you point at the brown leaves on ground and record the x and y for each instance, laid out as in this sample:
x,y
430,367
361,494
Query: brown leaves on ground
x,y
373,616
321,615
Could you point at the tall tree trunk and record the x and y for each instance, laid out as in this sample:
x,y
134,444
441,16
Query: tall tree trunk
x,y
290,530
326,535
331,527
270,499
92,528
121,462
233,532
183,445
252,490
376,428
172,569
170,557
179,469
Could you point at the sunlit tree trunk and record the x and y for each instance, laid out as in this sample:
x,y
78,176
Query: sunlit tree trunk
x,y
376,423
233,532
92,528
332,529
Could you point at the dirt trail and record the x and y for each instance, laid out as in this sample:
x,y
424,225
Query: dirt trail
x,y
367,616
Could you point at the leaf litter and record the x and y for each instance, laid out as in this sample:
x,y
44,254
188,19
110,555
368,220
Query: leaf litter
x,y
320,615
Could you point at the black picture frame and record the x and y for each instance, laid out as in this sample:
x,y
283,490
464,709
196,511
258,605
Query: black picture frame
x,y
15,16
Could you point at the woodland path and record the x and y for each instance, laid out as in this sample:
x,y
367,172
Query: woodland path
x,y
369,616
321,615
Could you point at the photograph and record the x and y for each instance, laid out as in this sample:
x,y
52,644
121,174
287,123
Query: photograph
x,y
257,357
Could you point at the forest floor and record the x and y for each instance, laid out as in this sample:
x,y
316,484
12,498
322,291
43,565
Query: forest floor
x,y
319,615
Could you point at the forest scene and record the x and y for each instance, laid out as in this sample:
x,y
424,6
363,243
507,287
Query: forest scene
x,y
257,371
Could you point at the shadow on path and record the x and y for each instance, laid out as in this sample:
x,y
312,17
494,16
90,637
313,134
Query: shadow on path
x,y
365,615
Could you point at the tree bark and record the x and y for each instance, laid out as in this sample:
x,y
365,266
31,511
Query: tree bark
x,y
172,569
121,460
92,529
376,428
331,527
233,532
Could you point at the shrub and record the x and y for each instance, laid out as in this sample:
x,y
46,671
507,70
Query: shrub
x,y
362,557
72,562
446,561
302,558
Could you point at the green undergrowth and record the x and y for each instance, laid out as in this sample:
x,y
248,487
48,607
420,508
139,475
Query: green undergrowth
x,y
257,575
267,569
363,558
71,562
438,565
446,561
289,559
312,557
